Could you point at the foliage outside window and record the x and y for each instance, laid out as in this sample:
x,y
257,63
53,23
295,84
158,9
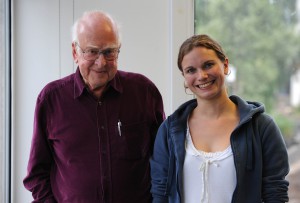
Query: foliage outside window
x,y
262,41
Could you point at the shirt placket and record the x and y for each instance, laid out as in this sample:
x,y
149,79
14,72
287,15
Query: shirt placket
x,y
103,151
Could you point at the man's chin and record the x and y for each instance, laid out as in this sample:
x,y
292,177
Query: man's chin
x,y
99,86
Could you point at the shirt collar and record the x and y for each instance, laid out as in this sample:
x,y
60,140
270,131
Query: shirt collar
x,y
115,83
79,85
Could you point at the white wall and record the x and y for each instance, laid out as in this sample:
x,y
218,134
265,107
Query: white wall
x,y
152,32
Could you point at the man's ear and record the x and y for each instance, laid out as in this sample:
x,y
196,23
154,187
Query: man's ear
x,y
74,52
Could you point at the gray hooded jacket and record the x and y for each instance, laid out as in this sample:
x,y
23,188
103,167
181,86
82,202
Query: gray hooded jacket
x,y
260,156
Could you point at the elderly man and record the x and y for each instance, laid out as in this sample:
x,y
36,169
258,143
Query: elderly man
x,y
94,129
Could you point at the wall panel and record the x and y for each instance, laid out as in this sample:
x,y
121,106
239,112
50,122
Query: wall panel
x,y
35,62
151,34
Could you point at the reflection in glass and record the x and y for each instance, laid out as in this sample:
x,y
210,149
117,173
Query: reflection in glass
x,y
262,41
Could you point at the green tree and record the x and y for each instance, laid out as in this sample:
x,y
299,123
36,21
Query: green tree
x,y
260,40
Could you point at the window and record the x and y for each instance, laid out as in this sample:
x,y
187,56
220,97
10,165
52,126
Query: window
x,y
4,104
261,39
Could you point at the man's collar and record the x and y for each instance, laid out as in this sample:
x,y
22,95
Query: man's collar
x,y
115,83
79,85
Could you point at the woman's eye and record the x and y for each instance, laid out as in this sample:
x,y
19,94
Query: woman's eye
x,y
208,65
191,70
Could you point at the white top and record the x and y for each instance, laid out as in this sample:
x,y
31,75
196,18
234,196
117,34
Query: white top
x,y
208,177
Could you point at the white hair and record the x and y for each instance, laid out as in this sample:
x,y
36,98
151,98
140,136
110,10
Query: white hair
x,y
91,13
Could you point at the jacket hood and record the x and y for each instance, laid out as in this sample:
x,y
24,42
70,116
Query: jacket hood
x,y
247,109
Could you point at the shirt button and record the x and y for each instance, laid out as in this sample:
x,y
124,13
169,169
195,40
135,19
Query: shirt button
x,y
102,127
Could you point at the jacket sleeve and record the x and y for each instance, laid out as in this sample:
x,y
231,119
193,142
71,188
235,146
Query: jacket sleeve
x,y
37,179
275,164
160,166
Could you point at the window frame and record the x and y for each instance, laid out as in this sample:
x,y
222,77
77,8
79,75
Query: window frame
x,y
6,105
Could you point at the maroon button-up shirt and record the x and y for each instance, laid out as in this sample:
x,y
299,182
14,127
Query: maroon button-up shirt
x,y
88,150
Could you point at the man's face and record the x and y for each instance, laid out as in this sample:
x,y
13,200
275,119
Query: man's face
x,y
96,72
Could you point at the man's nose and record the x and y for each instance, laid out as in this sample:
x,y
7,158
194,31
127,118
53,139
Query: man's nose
x,y
100,60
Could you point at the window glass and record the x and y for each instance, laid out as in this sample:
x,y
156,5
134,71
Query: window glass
x,y
262,41
2,92
4,175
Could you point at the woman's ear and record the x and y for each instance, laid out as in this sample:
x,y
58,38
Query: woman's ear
x,y
226,67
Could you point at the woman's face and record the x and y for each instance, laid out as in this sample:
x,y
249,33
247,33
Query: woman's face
x,y
204,73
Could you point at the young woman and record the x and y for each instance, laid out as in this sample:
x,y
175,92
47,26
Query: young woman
x,y
216,148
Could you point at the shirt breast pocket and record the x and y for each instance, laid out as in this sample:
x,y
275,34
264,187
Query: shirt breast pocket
x,y
136,140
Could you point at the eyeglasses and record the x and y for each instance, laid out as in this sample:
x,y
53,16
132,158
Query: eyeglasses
x,y
92,54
